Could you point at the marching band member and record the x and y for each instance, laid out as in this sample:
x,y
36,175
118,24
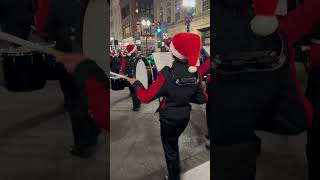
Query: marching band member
x,y
179,86
255,84
63,23
129,62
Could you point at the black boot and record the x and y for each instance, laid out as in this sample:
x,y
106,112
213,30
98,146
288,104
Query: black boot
x,y
235,162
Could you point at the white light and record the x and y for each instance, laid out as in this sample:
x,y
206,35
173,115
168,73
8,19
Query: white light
x,y
111,38
148,23
189,3
137,10
143,22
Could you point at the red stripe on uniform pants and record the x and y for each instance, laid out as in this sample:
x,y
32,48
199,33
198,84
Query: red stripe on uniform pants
x,y
99,102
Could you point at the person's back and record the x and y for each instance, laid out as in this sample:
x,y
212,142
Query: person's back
x,y
177,97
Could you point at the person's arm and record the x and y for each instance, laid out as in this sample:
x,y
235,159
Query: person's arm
x,y
301,20
200,96
205,67
155,91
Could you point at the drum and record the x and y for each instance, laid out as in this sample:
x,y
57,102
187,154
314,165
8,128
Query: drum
x,y
153,67
51,67
95,33
117,84
143,72
23,70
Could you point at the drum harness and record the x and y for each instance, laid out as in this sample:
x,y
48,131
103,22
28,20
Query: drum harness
x,y
255,61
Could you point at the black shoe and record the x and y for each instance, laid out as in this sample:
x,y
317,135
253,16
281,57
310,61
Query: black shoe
x,y
208,137
136,108
165,178
82,152
208,145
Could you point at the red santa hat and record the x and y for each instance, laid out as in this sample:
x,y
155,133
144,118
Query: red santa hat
x,y
265,22
131,48
186,46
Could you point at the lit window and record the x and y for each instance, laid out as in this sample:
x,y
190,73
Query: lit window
x,y
205,5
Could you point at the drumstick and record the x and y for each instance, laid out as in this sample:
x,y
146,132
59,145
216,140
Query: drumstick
x,y
31,45
119,75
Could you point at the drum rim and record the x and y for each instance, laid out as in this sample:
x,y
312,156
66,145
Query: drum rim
x,y
148,68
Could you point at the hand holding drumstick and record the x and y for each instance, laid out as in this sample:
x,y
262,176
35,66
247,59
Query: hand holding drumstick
x,y
131,80
70,60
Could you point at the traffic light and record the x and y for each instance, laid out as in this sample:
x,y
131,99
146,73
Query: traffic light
x,y
159,30
158,27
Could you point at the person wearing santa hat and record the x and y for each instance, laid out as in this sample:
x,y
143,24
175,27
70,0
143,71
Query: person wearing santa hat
x,y
178,86
313,94
255,83
128,63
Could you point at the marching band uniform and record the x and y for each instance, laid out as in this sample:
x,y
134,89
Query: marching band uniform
x,y
64,25
263,94
313,94
128,64
178,87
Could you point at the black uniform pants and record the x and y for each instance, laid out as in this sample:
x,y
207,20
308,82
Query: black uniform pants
x,y
243,103
135,100
85,132
313,149
170,137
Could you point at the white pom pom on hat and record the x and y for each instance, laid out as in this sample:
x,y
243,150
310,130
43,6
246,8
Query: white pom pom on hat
x,y
186,46
265,22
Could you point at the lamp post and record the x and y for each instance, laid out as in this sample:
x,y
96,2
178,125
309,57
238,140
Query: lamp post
x,y
146,24
189,5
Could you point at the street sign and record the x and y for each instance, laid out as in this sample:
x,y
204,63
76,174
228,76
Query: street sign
x,y
138,41
164,35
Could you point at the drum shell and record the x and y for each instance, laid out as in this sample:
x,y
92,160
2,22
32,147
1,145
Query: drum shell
x,y
118,84
24,72
52,68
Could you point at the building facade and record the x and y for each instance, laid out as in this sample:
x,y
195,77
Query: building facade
x,y
133,13
116,35
172,13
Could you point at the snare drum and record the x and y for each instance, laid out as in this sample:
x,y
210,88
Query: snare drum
x,y
117,84
143,72
23,69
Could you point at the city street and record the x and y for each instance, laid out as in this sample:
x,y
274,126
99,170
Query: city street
x,y
35,138
136,150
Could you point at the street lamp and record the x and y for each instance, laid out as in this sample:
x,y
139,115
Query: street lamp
x,y
189,5
146,24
